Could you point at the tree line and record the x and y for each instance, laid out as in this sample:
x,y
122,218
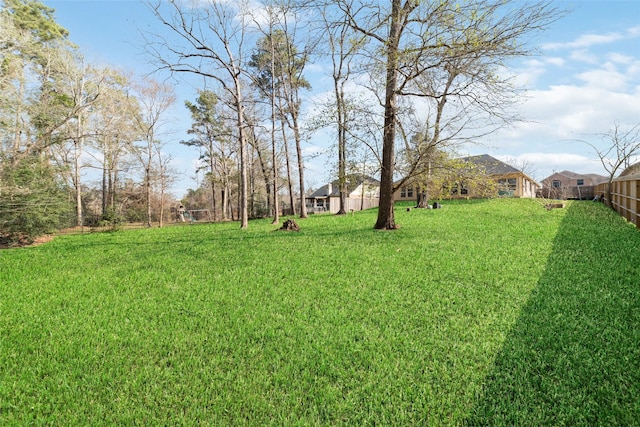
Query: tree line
x,y
411,80
62,116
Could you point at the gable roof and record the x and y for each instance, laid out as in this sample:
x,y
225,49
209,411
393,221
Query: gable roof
x,y
327,190
596,178
631,170
491,165
568,174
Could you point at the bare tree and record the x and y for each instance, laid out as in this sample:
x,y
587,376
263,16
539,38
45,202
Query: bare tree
x,y
620,145
86,86
282,63
112,120
263,60
166,175
208,41
525,166
258,145
343,44
212,137
154,99
295,62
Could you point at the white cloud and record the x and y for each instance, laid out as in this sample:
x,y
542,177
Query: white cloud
x,y
633,32
583,55
586,41
557,61
604,79
527,75
634,70
620,58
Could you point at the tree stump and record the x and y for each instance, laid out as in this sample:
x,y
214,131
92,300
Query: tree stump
x,y
290,225
550,206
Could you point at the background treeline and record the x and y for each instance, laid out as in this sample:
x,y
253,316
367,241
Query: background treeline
x,y
62,118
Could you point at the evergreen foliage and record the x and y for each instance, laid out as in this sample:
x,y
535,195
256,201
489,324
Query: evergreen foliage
x,y
33,199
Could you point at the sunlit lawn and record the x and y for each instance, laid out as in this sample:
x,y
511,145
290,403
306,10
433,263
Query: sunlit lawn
x,y
484,312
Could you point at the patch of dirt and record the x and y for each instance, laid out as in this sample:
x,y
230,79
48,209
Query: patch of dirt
x,y
11,241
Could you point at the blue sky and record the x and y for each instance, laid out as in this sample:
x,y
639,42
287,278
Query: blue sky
x,y
586,78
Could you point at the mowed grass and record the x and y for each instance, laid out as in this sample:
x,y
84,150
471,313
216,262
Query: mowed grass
x,y
490,312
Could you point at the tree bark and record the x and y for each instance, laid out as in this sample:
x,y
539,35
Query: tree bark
x,y
244,215
296,133
386,220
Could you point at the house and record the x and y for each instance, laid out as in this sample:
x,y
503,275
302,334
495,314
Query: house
x,y
569,185
363,192
510,181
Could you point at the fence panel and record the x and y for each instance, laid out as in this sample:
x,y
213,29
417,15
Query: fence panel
x,y
360,204
625,197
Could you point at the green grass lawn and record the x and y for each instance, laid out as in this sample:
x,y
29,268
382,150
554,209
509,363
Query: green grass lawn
x,y
481,313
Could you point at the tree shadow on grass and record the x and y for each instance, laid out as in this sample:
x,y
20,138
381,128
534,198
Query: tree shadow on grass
x,y
573,356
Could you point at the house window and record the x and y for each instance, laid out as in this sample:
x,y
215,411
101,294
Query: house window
x,y
463,189
406,192
508,184
581,182
555,183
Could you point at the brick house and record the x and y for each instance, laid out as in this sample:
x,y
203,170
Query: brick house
x,y
570,185
510,182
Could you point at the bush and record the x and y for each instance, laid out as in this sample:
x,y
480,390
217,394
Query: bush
x,y
34,201
112,219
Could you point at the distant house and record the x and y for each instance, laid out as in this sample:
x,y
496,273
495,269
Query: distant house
x,y
510,181
569,185
363,192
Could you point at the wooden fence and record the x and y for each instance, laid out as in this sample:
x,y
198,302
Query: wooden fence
x,y
625,196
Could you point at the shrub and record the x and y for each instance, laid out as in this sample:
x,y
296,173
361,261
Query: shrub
x,y
34,200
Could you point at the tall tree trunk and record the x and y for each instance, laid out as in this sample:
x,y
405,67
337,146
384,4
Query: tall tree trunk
x,y
113,184
147,186
244,215
105,195
342,144
224,199
78,142
18,124
386,220
274,160
298,138
266,174
265,177
274,145
224,196
213,199
161,214
212,182
288,164
147,177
